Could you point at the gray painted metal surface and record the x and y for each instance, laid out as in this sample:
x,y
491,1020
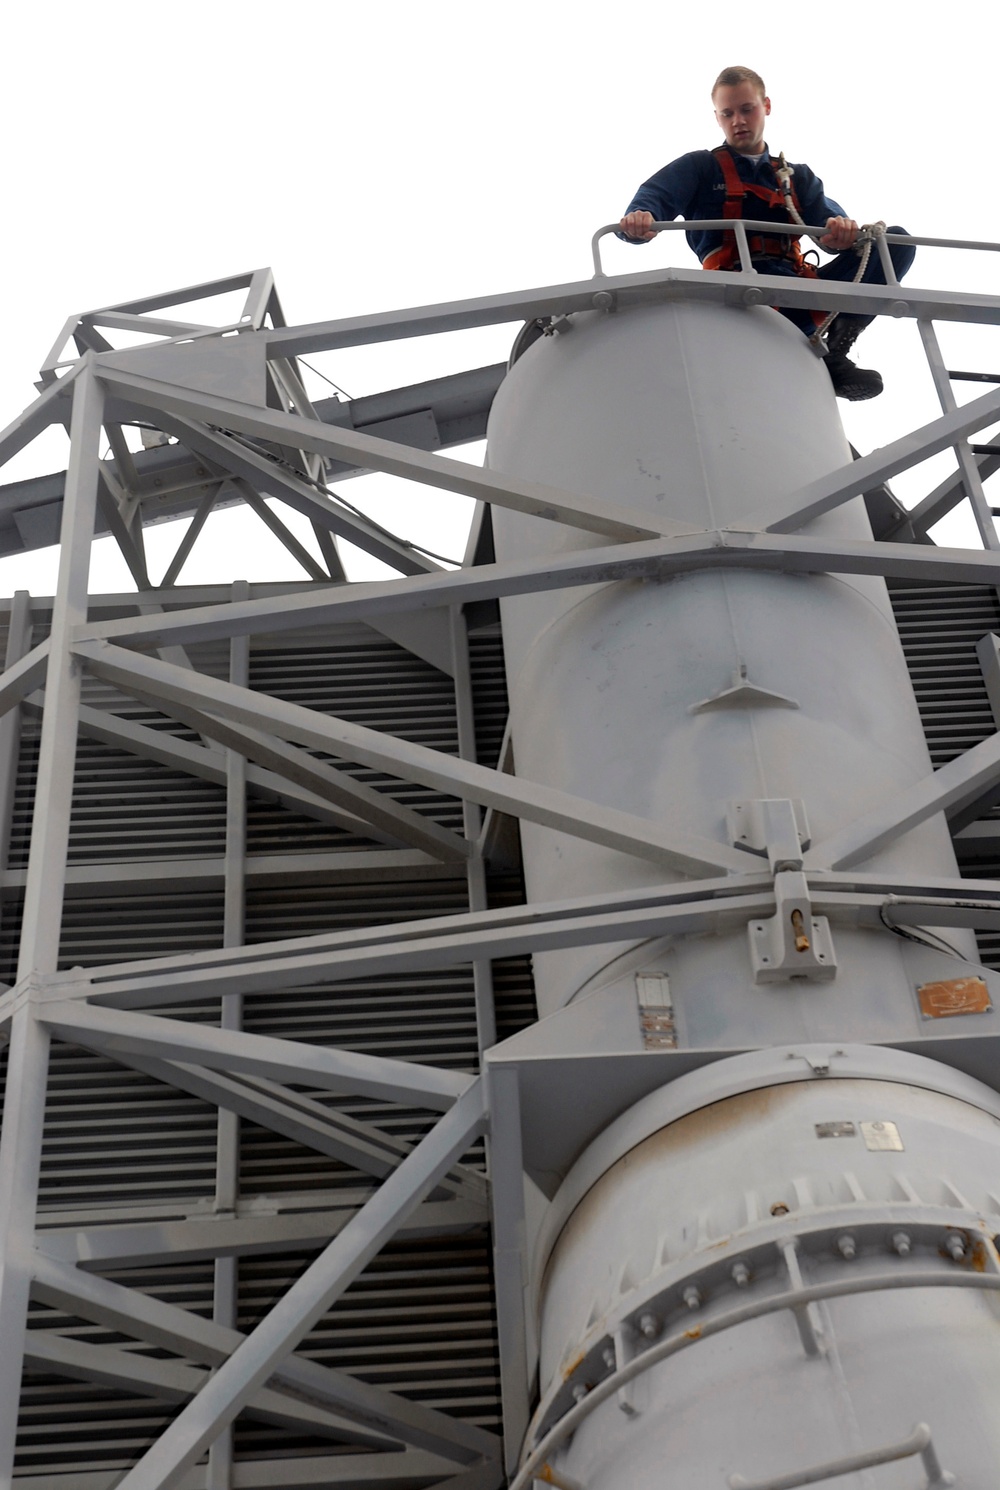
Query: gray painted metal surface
x,y
791,792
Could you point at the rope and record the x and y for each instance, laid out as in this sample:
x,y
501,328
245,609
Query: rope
x,y
862,244
863,247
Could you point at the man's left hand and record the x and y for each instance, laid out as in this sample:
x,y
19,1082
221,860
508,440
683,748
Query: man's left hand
x,y
840,233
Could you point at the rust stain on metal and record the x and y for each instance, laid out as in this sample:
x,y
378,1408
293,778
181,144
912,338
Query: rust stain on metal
x,y
694,1334
979,1258
954,996
576,1361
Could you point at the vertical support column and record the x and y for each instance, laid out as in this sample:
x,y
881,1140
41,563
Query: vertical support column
x,y
510,1254
24,1105
18,644
224,1312
967,463
482,971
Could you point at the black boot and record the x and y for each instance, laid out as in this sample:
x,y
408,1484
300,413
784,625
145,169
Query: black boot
x,y
850,382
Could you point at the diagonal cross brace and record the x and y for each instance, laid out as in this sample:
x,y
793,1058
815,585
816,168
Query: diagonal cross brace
x,y
614,519
611,827
128,1372
389,817
946,790
262,1351
120,1033
871,470
140,1316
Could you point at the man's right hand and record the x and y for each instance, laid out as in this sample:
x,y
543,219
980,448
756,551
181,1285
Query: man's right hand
x,y
638,225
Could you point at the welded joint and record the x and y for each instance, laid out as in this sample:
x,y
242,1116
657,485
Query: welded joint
x,y
28,990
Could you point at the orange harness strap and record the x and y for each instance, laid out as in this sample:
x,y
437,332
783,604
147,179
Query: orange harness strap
x,y
727,255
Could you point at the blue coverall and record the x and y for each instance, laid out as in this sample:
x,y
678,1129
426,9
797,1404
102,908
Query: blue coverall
x,y
693,187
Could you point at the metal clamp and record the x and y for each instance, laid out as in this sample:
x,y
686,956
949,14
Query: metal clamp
x,y
919,1442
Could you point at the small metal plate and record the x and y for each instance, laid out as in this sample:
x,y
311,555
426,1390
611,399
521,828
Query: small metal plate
x,y
656,1011
881,1135
835,1130
954,996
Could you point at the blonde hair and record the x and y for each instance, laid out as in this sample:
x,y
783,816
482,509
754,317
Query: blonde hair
x,y
731,77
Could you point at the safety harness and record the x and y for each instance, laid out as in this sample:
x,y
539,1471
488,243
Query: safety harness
x,y
784,201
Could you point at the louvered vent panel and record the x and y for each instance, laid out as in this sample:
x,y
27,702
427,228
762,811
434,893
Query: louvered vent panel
x,y
940,626
119,1145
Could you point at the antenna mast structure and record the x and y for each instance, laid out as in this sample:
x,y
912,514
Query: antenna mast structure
x,y
547,1099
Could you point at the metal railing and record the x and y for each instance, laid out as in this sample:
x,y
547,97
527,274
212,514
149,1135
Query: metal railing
x,y
739,227
919,1442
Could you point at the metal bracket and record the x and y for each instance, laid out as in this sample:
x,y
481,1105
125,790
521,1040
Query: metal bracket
x,y
752,825
793,943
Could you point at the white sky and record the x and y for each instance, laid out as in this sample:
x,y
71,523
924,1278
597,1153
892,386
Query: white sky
x,y
393,154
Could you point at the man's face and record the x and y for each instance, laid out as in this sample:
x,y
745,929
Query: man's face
x,y
742,113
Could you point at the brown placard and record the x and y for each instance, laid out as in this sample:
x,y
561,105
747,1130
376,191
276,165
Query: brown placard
x,y
954,996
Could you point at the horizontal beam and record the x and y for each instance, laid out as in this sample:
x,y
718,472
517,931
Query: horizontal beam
x,y
405,1471
326,867
121,1034
613,519
428,953
200,1238
436,941
611,827
632,289
140,1316
262,1352
659,558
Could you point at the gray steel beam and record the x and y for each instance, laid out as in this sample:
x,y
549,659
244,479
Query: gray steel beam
x,y
482,969
711,905
510,1260
838,487
377,814
303,1119
329,867
18,644
619,830
23,677
632,289
949,789
266,1347
659,558
50,407
128,1372
615,520
24,1101
258,470
119,1034
945,496
413,1470
199,1238
209,765
438,414
140,1316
